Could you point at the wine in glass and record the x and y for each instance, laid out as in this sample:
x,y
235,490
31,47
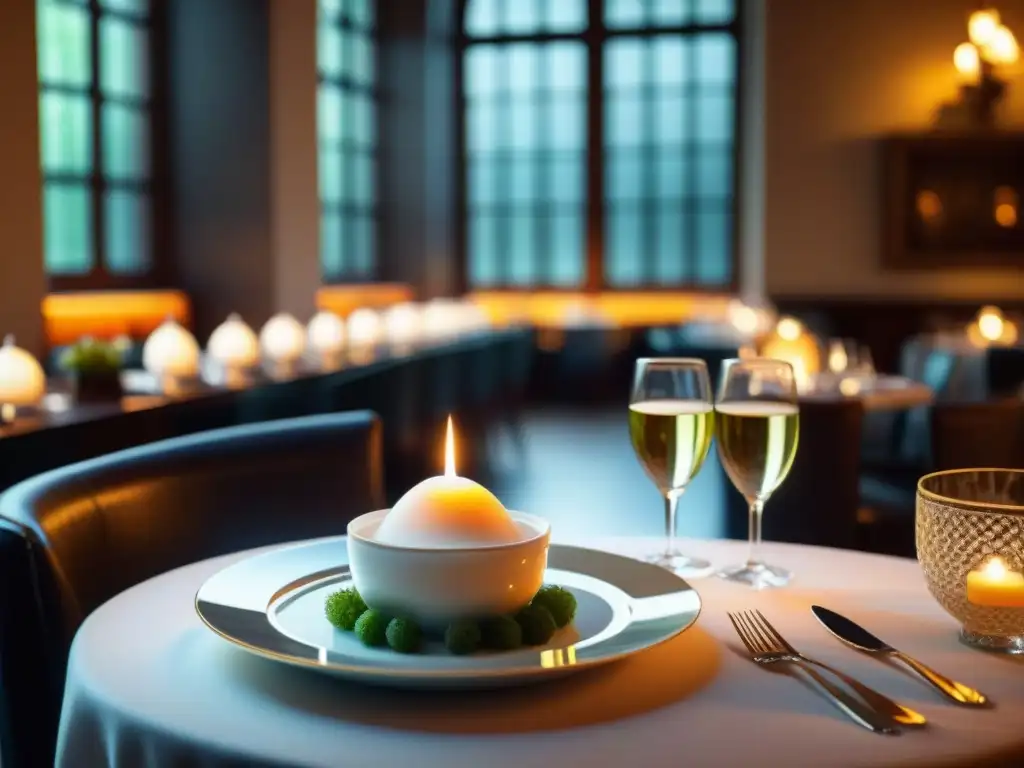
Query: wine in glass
x,y
758,428
671,421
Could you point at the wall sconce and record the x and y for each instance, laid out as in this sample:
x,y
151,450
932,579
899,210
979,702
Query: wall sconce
x,y
793,343
282,342
990,45
992,329
171,355
234,350
22,381
325,338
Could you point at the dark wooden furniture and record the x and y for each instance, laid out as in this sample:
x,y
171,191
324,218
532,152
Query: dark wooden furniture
x,y
818,502
989,434
413,393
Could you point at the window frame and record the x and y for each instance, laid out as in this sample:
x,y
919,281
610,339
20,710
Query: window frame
x,y
594,37
96,182
347,209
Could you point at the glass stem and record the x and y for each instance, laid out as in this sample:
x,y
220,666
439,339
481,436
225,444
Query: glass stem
x,y
671,504
754,534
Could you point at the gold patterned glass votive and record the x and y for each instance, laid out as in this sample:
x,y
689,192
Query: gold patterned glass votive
x,y
970,543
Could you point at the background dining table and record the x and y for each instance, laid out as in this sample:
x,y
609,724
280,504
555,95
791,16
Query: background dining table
x,y
149,685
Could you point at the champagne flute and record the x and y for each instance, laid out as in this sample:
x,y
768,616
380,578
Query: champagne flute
x,y
671,420
758,428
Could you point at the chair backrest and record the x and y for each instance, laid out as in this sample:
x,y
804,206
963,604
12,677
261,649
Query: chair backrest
x,y
1005,370
988,434
818,502
82,534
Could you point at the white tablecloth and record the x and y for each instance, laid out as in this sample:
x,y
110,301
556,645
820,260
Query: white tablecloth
x,y
148,685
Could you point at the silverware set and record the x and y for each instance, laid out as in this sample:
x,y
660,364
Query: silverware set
x,y
861,703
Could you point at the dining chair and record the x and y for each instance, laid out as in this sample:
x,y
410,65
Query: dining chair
x,y
987,434
819,500
74,537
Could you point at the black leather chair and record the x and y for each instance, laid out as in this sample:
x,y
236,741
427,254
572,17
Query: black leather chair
x,y
818,502
989,434
72,538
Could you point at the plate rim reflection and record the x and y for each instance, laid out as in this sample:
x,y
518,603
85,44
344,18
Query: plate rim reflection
x,y
677,606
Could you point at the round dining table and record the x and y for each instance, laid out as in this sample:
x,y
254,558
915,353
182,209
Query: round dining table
x,y
149,685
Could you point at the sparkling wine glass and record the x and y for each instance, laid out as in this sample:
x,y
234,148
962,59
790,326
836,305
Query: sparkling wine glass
x,y
671,420
758,428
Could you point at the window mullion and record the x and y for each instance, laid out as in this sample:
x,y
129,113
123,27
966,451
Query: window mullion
x,y
595,146
96,186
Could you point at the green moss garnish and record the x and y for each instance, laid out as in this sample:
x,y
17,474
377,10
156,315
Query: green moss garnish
x,y
343,608
372,627
501,633
90,356
560,602
462,636
537,624
403,635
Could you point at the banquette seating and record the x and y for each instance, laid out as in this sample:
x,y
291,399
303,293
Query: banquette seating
x,y
72,538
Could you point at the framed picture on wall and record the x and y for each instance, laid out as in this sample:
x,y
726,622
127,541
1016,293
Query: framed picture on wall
x,y
952,200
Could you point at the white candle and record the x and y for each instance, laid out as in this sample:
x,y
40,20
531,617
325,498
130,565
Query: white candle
x,y
448,511
996,586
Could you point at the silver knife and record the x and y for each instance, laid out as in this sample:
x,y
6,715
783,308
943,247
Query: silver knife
x,y
857,637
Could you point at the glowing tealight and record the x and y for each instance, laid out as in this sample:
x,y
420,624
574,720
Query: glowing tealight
x,y
995,585
448,511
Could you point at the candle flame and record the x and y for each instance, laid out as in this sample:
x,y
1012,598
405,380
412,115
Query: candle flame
x,y
449,451
995,568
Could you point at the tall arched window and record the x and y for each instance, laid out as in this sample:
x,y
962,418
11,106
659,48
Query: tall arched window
x,y
599,143
347,130
95,104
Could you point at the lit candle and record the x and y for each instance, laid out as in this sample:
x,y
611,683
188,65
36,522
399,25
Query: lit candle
x,y
996,586
282,341
22,381
448,511
235,350
325,337
171,355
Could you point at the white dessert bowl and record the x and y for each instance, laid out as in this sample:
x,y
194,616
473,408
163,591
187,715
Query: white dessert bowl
x,y
435,586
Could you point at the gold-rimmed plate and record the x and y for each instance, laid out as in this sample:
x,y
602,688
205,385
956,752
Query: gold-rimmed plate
x,y
273,605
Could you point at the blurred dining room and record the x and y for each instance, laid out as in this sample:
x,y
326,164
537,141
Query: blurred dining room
x,y
511,383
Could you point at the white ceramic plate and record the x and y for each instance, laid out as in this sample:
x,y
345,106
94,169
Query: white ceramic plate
x,y
273,605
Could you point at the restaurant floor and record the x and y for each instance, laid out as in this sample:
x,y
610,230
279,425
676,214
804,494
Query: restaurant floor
x,y
578,470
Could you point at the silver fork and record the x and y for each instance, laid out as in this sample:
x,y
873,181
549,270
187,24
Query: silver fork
x,y
901,714
765,650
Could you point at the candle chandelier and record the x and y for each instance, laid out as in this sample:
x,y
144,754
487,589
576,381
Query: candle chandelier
x,y
981,62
